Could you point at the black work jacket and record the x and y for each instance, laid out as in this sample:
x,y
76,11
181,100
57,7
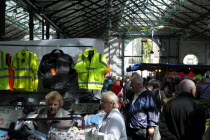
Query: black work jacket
x,y
56,70
182,118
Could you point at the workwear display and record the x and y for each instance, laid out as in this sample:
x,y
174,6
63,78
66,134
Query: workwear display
x,y
91,67
56,69
6,73
25,66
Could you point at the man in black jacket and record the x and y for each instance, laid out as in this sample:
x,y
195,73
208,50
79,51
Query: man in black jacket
x,y
183,118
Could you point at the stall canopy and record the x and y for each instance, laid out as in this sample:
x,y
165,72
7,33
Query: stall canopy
x,y
197,69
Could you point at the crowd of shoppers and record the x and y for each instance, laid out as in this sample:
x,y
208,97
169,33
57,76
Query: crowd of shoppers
x,y
149,116
183,117
138,111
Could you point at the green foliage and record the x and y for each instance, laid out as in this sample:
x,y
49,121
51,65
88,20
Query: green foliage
x,y
207,125
206,103
147,48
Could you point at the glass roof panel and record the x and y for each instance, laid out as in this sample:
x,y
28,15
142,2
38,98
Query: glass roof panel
x,y
16,14
148,14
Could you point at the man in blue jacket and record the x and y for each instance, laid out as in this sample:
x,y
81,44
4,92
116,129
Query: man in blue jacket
x,y
142,117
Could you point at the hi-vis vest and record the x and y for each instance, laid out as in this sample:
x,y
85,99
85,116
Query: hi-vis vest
x,y
6,73
25,67
91,73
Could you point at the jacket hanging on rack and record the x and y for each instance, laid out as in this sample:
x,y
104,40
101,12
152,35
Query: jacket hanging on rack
x,y
25,65
56,70
91,69
6,73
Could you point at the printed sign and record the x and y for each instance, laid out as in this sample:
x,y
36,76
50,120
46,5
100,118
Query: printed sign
x,y
7,116
85,108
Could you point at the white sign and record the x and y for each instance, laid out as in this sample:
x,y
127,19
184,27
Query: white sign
x,y
7,116
85,108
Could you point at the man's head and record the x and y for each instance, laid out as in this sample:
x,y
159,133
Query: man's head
x,y
137,84
187,85
135,74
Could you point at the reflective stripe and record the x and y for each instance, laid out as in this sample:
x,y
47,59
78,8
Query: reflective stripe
x,y
36,78
90,68
23,69
103,63
22,77
95,83
5,68
6,76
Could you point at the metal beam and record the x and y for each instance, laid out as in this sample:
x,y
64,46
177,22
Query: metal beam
x,y
31,24
2,21
41,14
58,11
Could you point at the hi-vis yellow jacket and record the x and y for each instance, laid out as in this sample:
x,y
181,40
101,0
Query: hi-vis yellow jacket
x,y
6,73
25,66
91,71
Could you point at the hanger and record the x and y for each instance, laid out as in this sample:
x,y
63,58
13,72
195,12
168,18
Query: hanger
x,y
57,51
23,52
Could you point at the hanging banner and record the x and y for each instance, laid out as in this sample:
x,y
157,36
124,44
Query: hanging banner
x,y
7,116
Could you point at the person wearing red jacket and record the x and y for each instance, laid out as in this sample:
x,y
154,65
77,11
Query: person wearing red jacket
x,y
116,88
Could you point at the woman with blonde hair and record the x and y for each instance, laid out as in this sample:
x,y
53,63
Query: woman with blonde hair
x,y
113,124
53,109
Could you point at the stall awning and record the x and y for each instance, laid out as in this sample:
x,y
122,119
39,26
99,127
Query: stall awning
x,y
197,69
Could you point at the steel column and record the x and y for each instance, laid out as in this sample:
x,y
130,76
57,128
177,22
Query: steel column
x,y
43,23
47,30
31,24
123,51
2,21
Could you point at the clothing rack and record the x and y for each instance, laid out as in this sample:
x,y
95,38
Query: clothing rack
x,y
25,45
53,119
22,105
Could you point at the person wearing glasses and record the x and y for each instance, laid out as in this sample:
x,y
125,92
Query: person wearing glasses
x,y
113,124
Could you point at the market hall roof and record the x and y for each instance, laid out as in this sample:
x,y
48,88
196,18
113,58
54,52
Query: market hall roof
x,y
106,18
